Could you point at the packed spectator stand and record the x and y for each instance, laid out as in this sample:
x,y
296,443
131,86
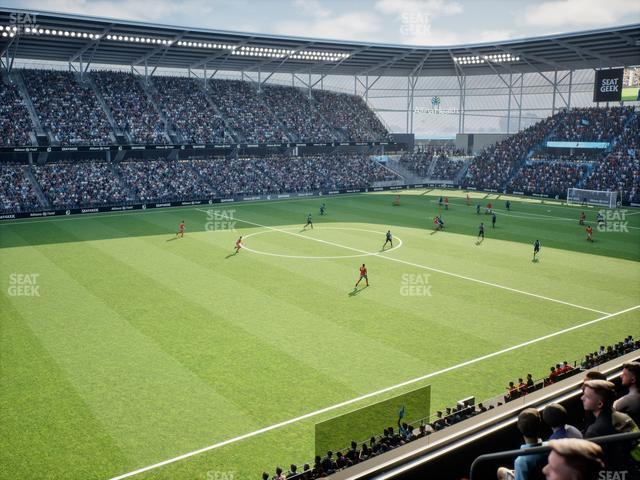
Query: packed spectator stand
x,y
15,124
350,115
16,193
97,183
246,113
187,108
132,111
67,108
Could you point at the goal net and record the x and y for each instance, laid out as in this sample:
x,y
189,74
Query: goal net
x,y
578,196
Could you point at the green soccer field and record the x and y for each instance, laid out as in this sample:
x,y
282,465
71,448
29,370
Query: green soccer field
x,y
123,347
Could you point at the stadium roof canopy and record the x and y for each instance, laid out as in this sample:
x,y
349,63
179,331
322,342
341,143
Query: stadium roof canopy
x,y
50,36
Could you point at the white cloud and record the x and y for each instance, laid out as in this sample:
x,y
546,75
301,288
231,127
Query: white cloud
x,y
580,13
314,8
426,7
346,26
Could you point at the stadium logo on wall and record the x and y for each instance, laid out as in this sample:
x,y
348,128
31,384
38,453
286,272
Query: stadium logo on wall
x,y
435,108
68,212
608,85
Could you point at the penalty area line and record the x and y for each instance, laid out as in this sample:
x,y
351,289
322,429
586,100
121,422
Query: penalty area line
x,y
368,395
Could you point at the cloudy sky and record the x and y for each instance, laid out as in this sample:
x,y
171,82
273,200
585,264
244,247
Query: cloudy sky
x,y
414,22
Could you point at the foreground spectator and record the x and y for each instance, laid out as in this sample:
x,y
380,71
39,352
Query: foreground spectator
x,y
630,403
555,416
597,399
527,467
573,459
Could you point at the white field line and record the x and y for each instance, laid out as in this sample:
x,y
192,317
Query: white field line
x,y
228,206
537,216
444,272
366,396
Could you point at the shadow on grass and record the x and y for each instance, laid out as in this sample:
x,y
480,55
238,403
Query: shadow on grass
x,y
355,291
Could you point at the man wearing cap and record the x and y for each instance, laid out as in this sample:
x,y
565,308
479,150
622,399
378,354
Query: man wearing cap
x,y
630,403
573,459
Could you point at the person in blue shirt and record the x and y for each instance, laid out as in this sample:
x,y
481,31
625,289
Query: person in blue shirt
x,y
527,467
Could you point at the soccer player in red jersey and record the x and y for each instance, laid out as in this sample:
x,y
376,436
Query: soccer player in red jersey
x,y
582,218
589,234
239,244
446,203
363,274
468,201
180,230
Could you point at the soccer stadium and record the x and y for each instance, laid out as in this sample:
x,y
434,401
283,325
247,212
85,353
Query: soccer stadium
x,y
315,252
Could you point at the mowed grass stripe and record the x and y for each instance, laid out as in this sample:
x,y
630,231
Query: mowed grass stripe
x,y
423,312
40,411
200,332
477,375
128,381
247,306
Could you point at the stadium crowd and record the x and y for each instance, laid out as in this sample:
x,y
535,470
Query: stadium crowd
x,y
297,114
132,111
95,183
281,174
185,105
246,113
163,180
620,169
592,124
74,185
350,115
446,168
495,165
548,177
15,123
417,162
67,108
16,192
608,417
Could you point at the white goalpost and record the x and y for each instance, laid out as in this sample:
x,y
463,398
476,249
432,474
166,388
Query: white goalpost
x,y
579,196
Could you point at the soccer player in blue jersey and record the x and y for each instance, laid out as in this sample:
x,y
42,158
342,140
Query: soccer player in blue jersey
x,y
309,222
389,239
536,249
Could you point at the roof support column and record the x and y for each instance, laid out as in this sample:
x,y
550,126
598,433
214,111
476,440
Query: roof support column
x,y
408,86
309,86
520,109
204,78
555,89
570,87
509,103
